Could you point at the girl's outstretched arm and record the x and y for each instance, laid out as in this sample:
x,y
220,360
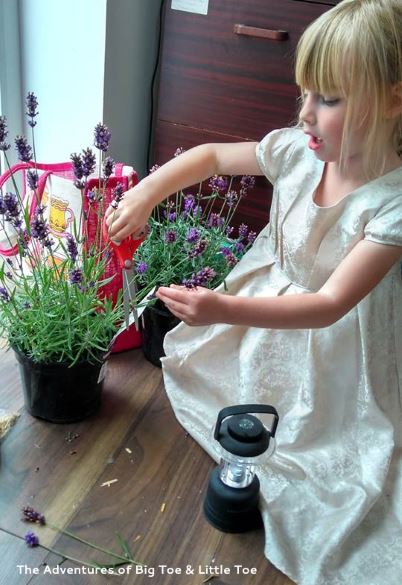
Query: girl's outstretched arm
x,y
355,277
189,168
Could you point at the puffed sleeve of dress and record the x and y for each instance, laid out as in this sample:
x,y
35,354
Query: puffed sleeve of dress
x,y
386,225
275,150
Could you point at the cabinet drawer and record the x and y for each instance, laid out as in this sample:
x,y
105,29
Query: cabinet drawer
x,y
215,79
253,209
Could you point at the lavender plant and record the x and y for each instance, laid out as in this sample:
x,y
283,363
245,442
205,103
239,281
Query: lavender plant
x,y
190,239
52,310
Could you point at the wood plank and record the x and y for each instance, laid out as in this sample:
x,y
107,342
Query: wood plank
x,y
156,504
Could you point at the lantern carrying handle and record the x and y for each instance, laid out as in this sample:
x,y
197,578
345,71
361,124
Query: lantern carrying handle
x,y
247,409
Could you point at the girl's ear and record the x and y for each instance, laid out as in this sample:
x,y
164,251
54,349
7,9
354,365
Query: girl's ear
x,y
395,108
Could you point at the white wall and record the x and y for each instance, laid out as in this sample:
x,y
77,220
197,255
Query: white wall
x,y
87,61
132,35
62,59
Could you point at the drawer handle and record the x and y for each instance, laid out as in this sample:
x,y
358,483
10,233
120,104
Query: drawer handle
x,y
264,33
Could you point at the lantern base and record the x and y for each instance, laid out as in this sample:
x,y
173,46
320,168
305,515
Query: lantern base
x,y
232,509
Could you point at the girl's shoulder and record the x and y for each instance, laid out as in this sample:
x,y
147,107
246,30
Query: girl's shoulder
x,y
278,148
385,196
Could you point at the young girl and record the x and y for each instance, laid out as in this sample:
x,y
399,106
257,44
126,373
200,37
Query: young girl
x,y
312,319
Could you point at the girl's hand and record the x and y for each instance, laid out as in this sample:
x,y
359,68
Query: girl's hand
x,y
197,306
131,215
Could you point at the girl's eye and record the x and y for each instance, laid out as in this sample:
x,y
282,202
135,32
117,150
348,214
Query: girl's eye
x,y
329,101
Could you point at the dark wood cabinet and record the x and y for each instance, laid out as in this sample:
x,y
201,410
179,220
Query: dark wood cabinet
x,y
220,81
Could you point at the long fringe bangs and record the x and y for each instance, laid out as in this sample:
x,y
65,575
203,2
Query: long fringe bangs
x,y
322,57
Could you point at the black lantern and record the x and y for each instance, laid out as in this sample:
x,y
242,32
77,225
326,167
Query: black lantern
x,y
231,502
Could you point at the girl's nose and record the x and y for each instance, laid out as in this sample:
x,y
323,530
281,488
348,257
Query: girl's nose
x,y
307,113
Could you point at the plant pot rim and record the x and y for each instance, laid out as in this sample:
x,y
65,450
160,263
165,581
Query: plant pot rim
x,y
21,356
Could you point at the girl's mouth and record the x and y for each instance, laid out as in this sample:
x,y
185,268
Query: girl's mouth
x,y
314,142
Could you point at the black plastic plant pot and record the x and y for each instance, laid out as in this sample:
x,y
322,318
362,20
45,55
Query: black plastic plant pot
x,y
231,509
155,323
57,393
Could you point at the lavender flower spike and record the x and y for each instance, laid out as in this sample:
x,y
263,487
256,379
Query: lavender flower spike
x,y
72,248
39,228
32,179
102,136
32,104
118,192
108,166
141,267
3,134
31,539
4,296
24,151
78,170
31,515
76,276
88,162
170,236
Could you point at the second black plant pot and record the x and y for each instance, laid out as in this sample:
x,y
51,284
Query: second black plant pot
x,y
156,321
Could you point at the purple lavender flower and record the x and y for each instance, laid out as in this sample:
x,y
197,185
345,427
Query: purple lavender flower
x,y
215,220
72,248
200,278
102,136
230,258
247,182
231,197
91,196
239,248
31,539
170,215
24,151
32,104
9,207
3,134
108,166
48,242
118,192
39,228
78,170
4,296
141,267
153,169
32,179
229,231
243,231
189,203
218,183
251,237
75,276
170,236
88,162
31,515
193,235
198,249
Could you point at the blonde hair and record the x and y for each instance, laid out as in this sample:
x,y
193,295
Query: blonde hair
x,y
355,49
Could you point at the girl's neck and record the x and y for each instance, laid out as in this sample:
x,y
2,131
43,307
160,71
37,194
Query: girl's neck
x,y
337,182
353,172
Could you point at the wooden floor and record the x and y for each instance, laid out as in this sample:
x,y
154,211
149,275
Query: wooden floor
x,y
155,504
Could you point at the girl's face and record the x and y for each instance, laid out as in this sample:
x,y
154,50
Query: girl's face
x,y
323,118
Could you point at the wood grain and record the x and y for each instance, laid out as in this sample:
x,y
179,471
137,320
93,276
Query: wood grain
x,y
155,504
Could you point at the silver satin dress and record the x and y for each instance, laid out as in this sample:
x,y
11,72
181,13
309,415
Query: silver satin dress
x,y
331,495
